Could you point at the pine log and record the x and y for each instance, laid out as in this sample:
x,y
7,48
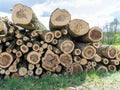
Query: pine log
x,y
66,45
38,71
107,51
15,75
96,58
22,71
78,27
3,29
47,36
94,35
77,59
102,68
105,61
33,57
59,19
76,67
58,69
115,62
25,17
30,72
13,68
66,59
50,61
96,44
64,32
57,34
83,61
112,68
24,48
18,54
31,66
88,51
118,55
5,59
76,51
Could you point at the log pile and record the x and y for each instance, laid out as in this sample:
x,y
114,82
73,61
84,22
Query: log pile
x,y
27,48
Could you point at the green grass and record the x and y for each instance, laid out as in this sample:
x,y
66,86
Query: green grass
x,y
52,82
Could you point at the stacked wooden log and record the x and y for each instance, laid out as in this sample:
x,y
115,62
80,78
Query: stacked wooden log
x,y
70,46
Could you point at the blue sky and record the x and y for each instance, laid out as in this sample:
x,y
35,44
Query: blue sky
x,y
95,12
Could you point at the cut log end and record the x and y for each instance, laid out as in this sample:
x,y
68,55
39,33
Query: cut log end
x,y
57,34
112,68
38,71
18,54
36,47
105,61
76,51
5,59
22,71
78,27
49,36
97,58
112,52
21,14
95,34
83,61
118,55
59,18
67,46
24,48
50,61
33,57
66,59
88,52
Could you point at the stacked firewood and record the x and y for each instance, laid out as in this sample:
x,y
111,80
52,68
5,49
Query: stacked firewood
x,y
27,48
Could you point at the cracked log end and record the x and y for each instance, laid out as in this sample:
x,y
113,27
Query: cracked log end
x,y
88,52
50,61
78,27
67,46
5,60
66,59
33,57
59,18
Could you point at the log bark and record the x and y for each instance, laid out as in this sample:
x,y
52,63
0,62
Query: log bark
x,y
118,55
66,59
107,51
78,27
94,35
59,19
66,45
50,61
33,57
26,18
5,59
88,51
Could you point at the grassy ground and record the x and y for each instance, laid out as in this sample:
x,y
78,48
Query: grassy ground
x,y
81,81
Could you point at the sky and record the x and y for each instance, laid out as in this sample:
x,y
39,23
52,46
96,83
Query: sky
x,y
95,12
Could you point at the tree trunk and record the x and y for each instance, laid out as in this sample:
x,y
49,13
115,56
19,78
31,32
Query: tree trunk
x,y
26,18
78,27
59,19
